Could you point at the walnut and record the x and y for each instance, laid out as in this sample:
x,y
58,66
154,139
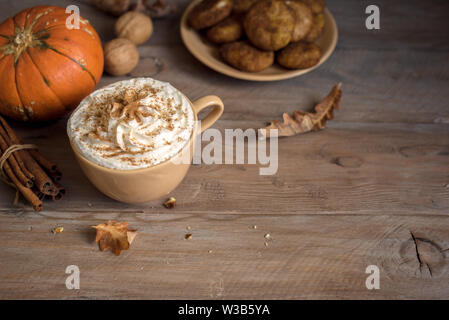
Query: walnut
x,y
120,57
134,26
115,7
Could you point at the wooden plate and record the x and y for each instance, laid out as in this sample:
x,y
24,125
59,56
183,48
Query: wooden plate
x,y
207,52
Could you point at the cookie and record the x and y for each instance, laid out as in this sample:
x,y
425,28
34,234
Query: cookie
x,y
243,56
228,30
317,27
269,25
209,12
242,6
299,55
317,6
303,19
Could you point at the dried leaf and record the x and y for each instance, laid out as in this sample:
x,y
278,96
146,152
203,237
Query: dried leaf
x,y
131,236
114,236
303,122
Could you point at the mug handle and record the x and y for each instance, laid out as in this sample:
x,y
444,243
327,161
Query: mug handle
x,y
213,116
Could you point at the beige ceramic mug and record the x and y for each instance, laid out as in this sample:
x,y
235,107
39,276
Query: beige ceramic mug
x,y
143,185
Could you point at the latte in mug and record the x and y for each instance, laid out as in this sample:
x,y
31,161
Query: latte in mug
x,y
132,124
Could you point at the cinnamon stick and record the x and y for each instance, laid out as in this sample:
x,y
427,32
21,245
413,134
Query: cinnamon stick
x,y
33,175
61,188
27,193
61,193
43,161
22,166
39,194
56,176
49,166
14,165
42,180
55,198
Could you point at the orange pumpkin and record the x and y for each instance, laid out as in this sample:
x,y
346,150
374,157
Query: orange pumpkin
x,y
46,69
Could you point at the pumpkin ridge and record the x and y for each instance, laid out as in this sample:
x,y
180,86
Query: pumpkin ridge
x,y
12,101
16,25
26,13
71,59
45,80
27,16
50,28
42,31
22,110
92,33
23,43
38,17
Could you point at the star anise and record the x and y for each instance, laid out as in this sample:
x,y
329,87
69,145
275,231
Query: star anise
x,y
128,107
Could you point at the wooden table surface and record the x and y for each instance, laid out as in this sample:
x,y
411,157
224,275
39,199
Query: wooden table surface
x,y
372,189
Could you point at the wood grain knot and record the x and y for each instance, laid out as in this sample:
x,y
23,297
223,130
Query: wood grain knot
x,y
148,67
423,257
347,162
424,150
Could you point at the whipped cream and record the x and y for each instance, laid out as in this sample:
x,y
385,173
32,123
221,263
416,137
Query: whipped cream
x,y
132,124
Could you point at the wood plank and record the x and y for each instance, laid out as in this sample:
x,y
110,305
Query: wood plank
x,y
374,90
348,168
309,256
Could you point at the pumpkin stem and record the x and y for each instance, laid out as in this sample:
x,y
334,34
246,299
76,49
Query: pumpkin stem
x,y
23,38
